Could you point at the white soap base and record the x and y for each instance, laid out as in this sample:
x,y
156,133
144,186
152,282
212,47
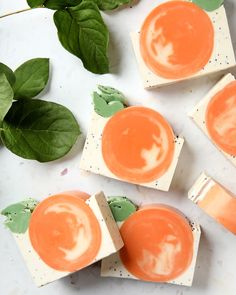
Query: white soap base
x,y
222,56
43,274
92,159
199,193
200,188
199,112
112,266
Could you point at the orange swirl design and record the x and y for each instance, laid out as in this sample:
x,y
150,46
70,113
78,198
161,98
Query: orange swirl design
x,y
65,232
138,144
177,39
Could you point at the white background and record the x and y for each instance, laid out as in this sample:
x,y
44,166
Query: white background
x,y
33,34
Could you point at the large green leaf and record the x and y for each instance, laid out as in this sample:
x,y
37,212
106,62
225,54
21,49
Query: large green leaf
x,y
111,4
18,215
35,3
39,130
68,31
8,72
82,31
31,78
6,96
60,4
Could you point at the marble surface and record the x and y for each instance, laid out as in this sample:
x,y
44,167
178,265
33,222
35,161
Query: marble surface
x,y
33,34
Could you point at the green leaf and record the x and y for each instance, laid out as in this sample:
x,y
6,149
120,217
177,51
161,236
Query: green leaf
x,y
39,130
209,5
105,109
6,96
68,31
31,78
111,4
35,3
82,31
18,215
121,208
8,72
60,4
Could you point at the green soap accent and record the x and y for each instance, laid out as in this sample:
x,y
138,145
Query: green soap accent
x,y
18,223
121,208
18,215
105,109
209,5
109,101
30,204
111,94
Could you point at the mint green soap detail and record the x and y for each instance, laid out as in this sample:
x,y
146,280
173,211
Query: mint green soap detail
x,y
108,102
121,208
209,5
111,94
18,215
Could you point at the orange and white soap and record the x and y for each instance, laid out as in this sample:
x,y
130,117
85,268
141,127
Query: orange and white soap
x,y
215,114
66,233
179,40
160,245
135,145
215,200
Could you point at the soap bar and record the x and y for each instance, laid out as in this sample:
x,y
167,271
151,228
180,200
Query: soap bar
x,y
215,200
67,232
180,41
215,114
135,145
160,245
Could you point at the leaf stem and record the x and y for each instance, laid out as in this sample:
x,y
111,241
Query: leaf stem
x,y
16,12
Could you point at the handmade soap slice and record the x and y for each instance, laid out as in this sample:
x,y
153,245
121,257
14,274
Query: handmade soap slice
x,y
134,144
215,200
215,114
160,245
179,40
63,234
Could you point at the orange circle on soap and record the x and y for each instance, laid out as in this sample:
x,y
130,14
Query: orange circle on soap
x,y
177,39
138,144
64,232
158,244
221,119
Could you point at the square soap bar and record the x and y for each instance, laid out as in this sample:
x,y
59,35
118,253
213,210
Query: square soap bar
x,y
222,56
215,200
92,158
100,239
218,125
153,257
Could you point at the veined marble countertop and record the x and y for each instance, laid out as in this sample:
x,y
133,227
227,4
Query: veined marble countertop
x,y
33,34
